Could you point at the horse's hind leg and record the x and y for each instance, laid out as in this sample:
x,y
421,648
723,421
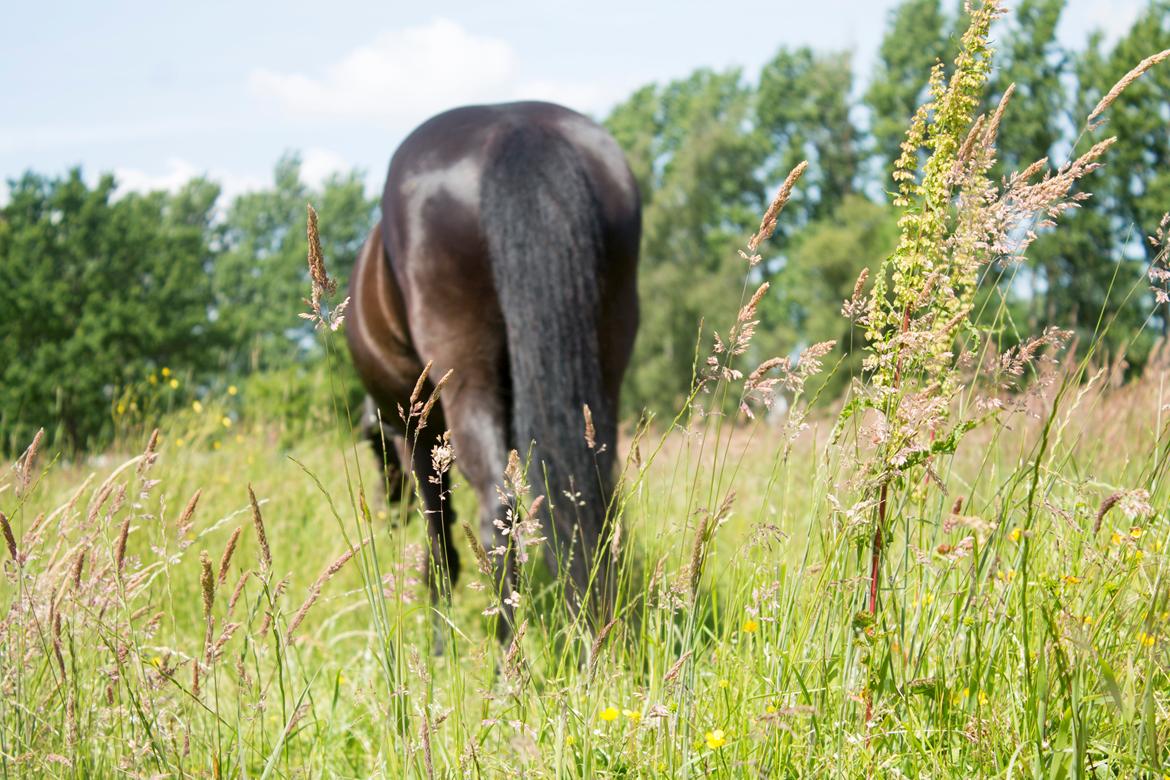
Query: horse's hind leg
x,y
389,448
478,428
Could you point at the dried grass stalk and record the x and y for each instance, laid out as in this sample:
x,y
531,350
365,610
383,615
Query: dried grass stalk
x,y
261,537
1126,80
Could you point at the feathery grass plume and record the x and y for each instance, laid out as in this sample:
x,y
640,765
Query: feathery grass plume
x,y
768,223
676,667
1109,502
481,558
315,590
9,538
1129,78
513,662
150,454
416,393
319,282
184,523
120,548
261,537
698,550
228,550
238,590
595,648
27,461
590,432
207,588
430,404
78,567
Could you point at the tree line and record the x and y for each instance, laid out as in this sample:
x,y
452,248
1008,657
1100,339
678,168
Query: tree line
x,y
98,291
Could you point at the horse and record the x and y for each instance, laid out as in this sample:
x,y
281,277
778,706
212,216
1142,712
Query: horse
x,y
507,254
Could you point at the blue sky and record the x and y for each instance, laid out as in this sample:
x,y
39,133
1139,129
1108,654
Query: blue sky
x,y
158,92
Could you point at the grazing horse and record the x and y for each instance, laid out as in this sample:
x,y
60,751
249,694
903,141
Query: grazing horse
x,y
507,252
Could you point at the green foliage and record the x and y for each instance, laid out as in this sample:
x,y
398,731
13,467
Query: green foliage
x,y
820,270
802,108
911,46
261,278
697,169
101,291
96,293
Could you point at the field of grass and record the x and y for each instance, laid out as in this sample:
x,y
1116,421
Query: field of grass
x,y
958,570
1013,638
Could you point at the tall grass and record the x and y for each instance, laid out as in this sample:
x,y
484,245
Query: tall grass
x,y
962,573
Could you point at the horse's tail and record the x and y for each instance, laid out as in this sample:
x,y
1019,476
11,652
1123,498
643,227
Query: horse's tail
x,y
543,227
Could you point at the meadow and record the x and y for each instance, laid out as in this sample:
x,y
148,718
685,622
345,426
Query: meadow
x,y
957,569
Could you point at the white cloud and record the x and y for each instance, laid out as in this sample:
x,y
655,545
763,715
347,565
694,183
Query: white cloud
x,y
178,172
404,76
319,164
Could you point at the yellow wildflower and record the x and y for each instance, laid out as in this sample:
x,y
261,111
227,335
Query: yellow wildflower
x,y
121,407
1146,640
715,739
166,371
725,683
232,390
770,709
174,383
153,379
982,697
178,442
1136,532
570,739
197,407
609,713
750,626
1072,579
1115,538
216,445
633,715
227,422
1016,533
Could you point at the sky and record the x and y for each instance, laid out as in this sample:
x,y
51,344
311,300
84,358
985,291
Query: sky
x,y
159,92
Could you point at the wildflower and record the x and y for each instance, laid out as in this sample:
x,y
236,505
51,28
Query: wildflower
x,y
156,662
724,683
1115,538
197,407
165,372
1136,532
1006,575
1072,579
1016,534
121,408
609,714
179,442
153,379
232,390
216,445
227,422
174,383
715,739
633,715
770,709
1146,640
1087,621
750,626
982,697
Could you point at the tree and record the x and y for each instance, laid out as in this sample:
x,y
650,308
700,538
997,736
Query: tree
x,y
261,277
697,160
802,109
912,44
97,293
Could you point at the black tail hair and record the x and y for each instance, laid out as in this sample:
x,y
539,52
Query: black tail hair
x,y
543,227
